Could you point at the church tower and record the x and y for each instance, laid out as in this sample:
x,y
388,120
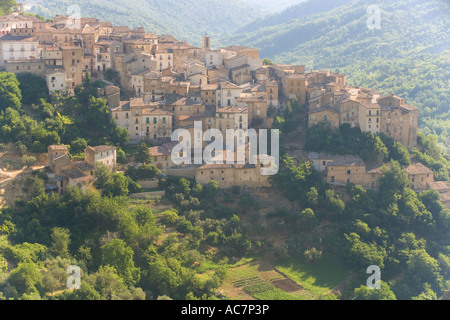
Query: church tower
x,y
19,8
206,43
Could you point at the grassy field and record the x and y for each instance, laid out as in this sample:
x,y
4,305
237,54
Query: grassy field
x,y
260,280
319,279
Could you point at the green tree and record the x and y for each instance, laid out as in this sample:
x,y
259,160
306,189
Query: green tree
x,y
6,6
423,268
28,161
60,242
143,154
121,156
426,294
306,218
312,197
116,186
26,277
108,284
38,187
10,94
78,146
384,293
363,254
117,255
33,88
169,217
393,181
102,175
267,62
312,255
210,190
147,171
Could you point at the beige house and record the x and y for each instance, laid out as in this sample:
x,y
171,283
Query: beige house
x,y
229,175
143,121
241,50
294,86
16,21
226,94
64,173
18,48
420,177
257,110
208,93
399,120
103,154
56,80
369,117
162,155
233,118
35,66
346,169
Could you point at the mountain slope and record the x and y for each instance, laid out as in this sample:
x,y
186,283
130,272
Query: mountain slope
x,y
184,19
271,6
409,55
330,37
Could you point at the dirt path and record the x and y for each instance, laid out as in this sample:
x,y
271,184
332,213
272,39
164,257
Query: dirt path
x,y
11,187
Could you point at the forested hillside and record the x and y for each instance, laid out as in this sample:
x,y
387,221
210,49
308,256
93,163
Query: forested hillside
x,y
184,19
408,55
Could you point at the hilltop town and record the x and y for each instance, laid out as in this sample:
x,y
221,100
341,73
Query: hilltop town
x,y
171,84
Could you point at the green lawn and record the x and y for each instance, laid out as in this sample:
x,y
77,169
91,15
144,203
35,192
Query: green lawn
x,y
318,279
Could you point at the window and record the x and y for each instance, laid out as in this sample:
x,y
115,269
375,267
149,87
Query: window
x,y
349,171
148,120
154,120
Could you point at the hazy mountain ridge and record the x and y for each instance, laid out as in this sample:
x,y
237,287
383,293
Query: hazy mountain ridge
x,y
184,19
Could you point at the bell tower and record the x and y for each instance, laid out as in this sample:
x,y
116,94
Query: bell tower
x,y
19,8
206,43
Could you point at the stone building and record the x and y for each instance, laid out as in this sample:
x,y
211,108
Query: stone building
x,y
346,169
143,121
103,154
399,120
420,177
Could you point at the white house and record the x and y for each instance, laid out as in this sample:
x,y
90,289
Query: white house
x,y
18,48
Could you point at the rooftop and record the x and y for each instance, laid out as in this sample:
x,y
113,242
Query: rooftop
x,y
58,147
418,168
347,160
163,150
102,148
231,109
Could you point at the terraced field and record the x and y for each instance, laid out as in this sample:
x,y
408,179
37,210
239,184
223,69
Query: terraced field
x,y
258,280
